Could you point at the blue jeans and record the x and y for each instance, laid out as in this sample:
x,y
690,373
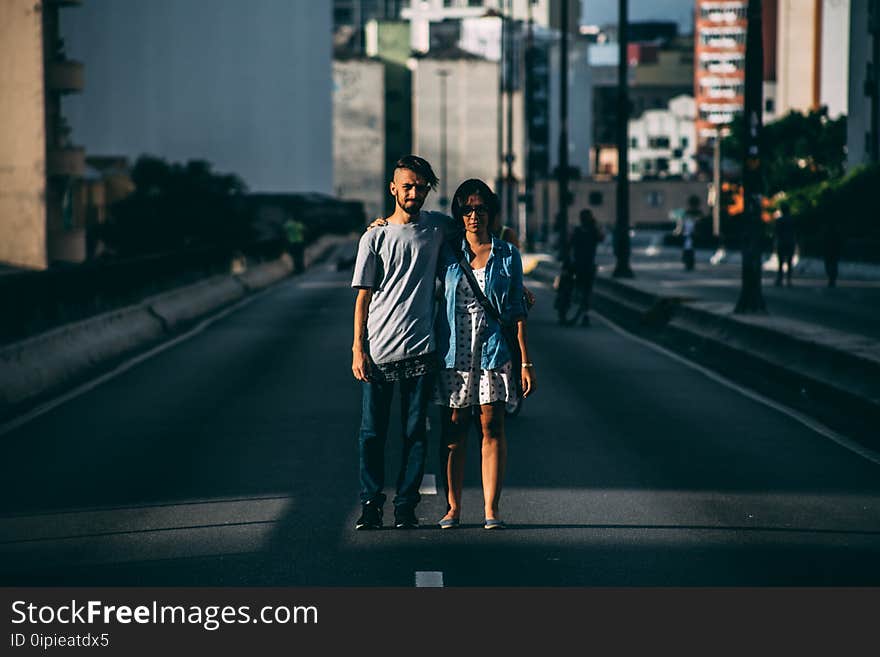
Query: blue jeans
x,y
375,418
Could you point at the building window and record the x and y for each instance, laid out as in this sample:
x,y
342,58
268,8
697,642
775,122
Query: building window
x,y
658,142
769,106
595,198
662,164
684,142
654,198
634,142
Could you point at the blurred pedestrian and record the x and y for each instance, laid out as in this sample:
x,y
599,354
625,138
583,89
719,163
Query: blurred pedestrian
x,y
833,244
687,230
785,242
585,238
295,235
482,313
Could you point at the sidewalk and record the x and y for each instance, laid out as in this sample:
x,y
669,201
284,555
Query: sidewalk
x,y
821,345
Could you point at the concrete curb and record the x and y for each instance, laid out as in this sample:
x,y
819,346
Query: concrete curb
x,y
48,363
266,274
843,366
180,307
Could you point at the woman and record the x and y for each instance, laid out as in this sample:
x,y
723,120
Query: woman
x,y
477,380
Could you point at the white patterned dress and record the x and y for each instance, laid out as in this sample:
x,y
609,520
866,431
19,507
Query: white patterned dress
x,y
467,384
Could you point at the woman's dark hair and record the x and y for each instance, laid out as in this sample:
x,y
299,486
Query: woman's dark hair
x,y
420,167
469,188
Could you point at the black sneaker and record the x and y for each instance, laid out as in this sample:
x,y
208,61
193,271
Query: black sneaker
x,y
405,518
371,517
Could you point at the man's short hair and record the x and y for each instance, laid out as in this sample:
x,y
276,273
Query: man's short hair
x,y
420,167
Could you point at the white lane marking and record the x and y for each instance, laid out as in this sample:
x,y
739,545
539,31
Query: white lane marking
x,y
808,422
429,485
538,284
429,579
44,408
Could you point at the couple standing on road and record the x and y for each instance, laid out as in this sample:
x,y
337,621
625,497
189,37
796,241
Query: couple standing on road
x,y
456,353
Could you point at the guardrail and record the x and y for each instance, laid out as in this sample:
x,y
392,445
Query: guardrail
x,y
37,301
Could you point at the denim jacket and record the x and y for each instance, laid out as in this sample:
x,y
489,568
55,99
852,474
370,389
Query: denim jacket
x,y
504,289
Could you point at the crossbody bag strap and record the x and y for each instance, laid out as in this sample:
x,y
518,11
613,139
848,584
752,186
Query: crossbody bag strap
x,y
481,298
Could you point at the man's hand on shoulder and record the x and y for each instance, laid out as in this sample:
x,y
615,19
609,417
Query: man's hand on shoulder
x,y
377,222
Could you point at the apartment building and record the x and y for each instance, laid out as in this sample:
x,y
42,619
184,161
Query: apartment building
x,y
719,65
41,167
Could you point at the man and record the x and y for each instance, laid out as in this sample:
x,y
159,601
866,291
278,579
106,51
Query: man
x,y
687,229
584,240
394,275
295,234
785,242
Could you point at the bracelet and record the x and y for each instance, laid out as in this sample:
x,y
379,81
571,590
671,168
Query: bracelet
x,y
527,365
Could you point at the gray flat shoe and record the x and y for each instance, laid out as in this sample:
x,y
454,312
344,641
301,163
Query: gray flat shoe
x,y
449,523
493,523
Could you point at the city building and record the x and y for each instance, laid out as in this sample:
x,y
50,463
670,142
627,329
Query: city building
x,y
798,56
580,106
359,133
455,121
388,41
834,59
658,71
43,198
719,59
545,13
662,143
651,202
351,18
863,141
246,86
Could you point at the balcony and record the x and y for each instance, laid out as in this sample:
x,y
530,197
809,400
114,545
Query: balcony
x,y
65,76
69,162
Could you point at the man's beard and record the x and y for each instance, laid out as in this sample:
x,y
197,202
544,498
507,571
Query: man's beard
x,y
417,205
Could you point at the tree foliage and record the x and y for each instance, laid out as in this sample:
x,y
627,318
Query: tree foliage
x,y
176,206
798,150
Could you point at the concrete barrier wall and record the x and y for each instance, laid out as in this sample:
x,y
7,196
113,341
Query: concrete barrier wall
x,y
59,357
50,362
182,306
846,364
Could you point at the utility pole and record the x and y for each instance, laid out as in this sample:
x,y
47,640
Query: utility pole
x,y
874,78
751,298
621,231
526,239
499,176
716,185
444,199
562,173
509,186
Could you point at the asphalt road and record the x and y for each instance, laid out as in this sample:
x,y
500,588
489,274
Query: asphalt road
x,y
230,459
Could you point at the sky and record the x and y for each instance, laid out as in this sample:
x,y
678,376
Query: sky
x,y
599,12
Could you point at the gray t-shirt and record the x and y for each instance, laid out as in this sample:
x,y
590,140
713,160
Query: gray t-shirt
x,y
399,263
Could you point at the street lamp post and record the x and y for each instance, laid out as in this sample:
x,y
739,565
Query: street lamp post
x,y
751,298
510,65
444,199
621,231
562,173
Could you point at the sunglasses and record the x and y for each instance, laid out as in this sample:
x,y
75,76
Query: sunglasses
x,y
481,210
